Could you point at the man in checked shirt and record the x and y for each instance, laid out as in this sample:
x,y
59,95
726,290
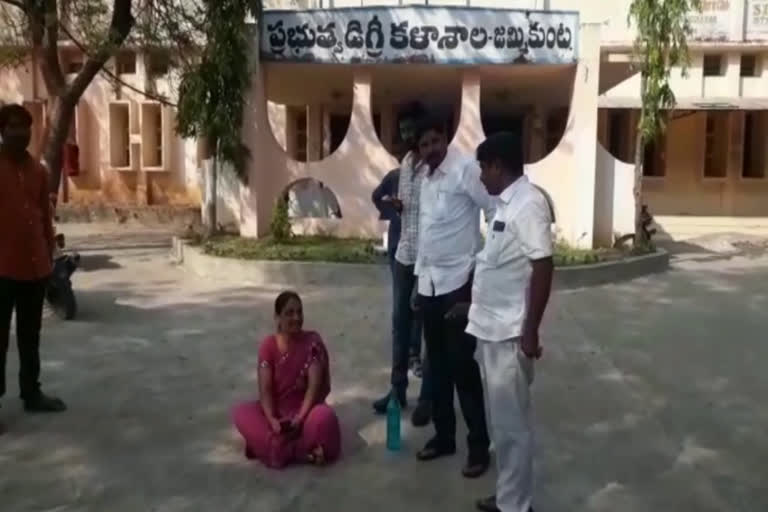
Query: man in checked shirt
x,y
406,206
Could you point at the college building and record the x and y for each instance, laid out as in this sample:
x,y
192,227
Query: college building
x,y
332,76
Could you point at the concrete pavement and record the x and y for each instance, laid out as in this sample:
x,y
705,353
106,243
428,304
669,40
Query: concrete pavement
x,y
650,397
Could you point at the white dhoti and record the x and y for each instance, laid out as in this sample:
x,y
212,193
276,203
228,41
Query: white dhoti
x,y
507,376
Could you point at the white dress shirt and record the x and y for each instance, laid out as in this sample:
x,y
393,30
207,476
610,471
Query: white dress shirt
x,y
449,224
519,232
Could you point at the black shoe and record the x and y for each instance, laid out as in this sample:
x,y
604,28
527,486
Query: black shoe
x,y
422,414
416,366
487,504
435,449
380,405
476,466
43,403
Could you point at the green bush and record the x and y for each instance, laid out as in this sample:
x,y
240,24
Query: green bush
x,y
280,227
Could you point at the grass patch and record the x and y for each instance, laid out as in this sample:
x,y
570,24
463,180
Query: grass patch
x,y
299,248
357,250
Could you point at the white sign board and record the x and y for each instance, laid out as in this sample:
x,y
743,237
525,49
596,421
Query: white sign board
x,y
423,34
757,20
713,23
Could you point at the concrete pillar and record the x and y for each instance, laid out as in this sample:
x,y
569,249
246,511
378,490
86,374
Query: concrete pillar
x,y
388,126
538,134
733,73
469,132
735,159
314,133
326,132
584,114
738,21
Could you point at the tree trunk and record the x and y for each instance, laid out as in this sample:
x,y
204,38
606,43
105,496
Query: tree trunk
x,y
211,194
62,111
637,190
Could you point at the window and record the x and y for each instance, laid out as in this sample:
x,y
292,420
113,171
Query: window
x,y
749,65
713,65
72,63
655,158
618,134
753,164
152,135
119,133
158,63
716,145
300,151
125,62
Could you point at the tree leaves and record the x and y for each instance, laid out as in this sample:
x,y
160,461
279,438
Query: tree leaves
x,y
661,44
213,90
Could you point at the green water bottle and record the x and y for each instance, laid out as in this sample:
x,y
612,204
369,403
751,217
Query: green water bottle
x,y
393,423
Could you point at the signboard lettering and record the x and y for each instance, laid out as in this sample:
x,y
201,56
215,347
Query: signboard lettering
x,y
757,20
713,22
420,34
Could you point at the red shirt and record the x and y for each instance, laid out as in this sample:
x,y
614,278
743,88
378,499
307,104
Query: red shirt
x,y
26,223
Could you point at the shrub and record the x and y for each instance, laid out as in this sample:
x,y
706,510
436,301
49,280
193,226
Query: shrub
x,y
281,223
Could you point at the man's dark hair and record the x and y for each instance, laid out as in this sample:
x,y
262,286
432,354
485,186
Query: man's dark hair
x,y
413,111
14,111
430,123
505,148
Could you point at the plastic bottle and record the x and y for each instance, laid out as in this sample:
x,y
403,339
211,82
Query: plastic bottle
x,y
393,423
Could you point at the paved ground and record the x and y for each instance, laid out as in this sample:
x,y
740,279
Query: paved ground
x,y
651,396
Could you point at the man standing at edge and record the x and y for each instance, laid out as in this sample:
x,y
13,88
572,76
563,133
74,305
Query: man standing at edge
x,y
26,248
512,283
406,329
449,237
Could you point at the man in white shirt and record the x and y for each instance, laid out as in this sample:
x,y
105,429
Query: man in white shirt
x,y
512,282
449,237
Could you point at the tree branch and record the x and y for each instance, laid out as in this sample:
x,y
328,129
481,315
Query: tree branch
x,y
119,28
54,78
15,3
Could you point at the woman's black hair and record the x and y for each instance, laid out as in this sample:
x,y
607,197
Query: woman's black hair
x,y
14,111
282,300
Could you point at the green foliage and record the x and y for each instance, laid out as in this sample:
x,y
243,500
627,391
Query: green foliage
x,y
280,227
212,91
299,248
662,43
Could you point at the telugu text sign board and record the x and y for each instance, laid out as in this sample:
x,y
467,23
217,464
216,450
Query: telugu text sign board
x,y
439,35
713,23
757,20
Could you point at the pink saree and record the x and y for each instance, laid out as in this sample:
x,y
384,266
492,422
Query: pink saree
x,y
290,381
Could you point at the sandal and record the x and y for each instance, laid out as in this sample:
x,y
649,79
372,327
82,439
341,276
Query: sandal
x,y
317,457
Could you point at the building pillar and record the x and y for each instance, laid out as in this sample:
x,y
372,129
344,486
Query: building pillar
x,y
469,132
314,133
538,134
735,160
388,126
584,109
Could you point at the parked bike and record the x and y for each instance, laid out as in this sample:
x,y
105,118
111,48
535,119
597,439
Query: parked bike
x,y
60,294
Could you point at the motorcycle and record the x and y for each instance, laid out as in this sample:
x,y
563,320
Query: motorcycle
x,y
60,294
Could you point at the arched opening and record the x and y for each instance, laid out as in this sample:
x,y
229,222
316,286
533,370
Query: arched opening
x,y
309,107
437,88
532,101
311,198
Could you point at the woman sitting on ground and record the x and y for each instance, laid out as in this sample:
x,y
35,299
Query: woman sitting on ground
x,y
291,422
